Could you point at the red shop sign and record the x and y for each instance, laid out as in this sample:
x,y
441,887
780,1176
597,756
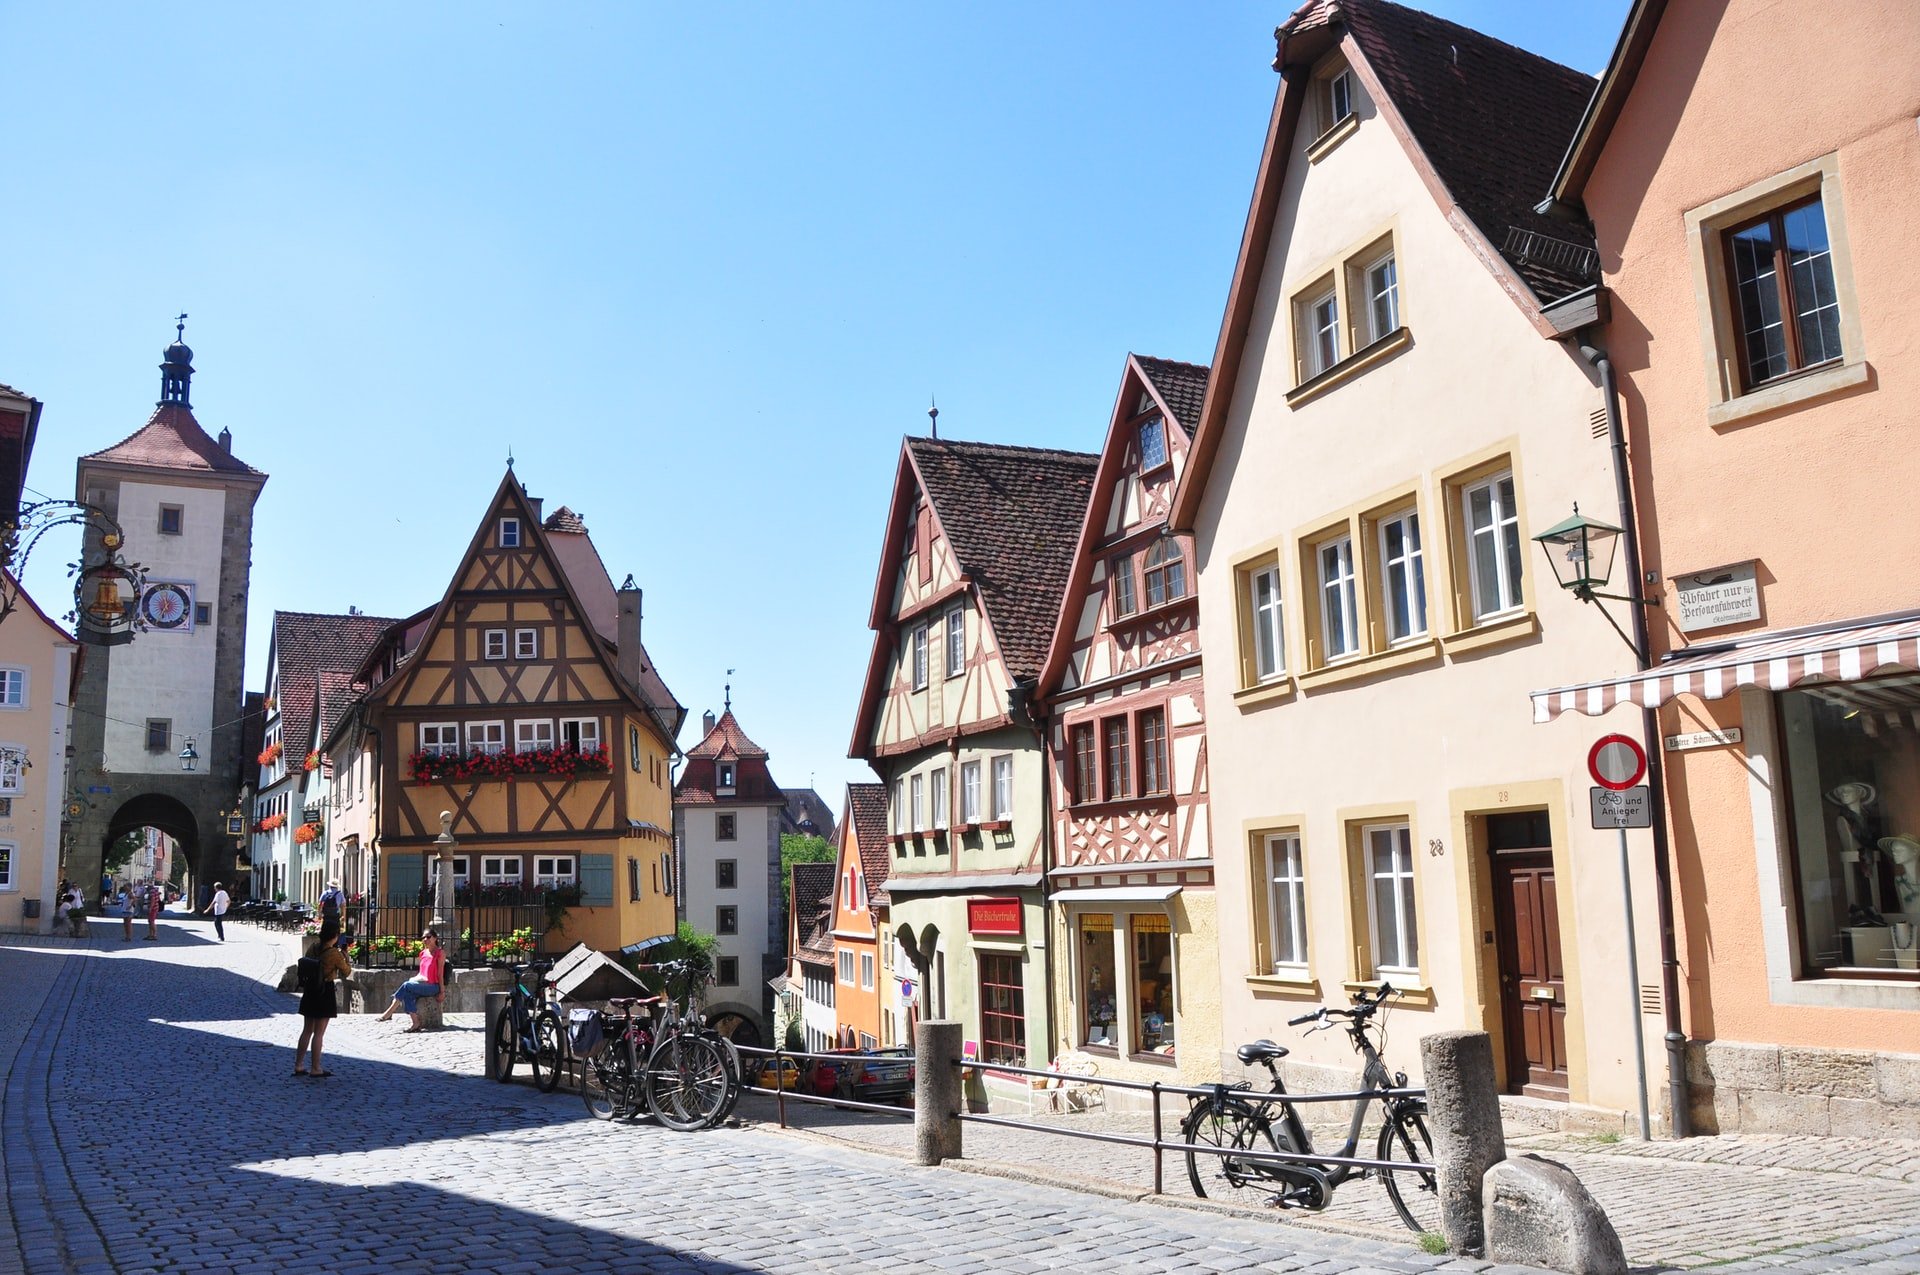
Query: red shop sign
x,y
994,916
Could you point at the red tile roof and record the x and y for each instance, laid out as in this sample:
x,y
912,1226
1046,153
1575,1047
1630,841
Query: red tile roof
x,y
811,898
564,519
867,821
1181,386
173,439
580,560
752,781
1012,515
307,646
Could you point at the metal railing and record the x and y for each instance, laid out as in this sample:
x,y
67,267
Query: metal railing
x,y
469,925
783,1094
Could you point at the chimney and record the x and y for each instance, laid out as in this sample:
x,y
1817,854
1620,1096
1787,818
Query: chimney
x,y
629,635
706,723
535,502
226,441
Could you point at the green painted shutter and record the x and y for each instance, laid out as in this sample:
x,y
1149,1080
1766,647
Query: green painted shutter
x,y
596,880
406,873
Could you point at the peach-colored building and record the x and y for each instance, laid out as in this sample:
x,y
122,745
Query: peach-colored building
x,y
1751,174
1388,423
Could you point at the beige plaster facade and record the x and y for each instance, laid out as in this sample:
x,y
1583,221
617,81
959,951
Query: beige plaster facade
x,y
1806,477
1428,734
37,659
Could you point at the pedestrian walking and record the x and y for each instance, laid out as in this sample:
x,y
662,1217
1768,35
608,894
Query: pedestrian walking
x,y
126,917
319,999
218,906
76,904
427,983
332,899
153,896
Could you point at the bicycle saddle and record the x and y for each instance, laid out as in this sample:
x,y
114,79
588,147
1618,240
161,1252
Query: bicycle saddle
x,y
1261,1051
623,1002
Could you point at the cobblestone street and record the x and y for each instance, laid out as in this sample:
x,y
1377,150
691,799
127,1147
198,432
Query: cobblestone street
x,y
150,1125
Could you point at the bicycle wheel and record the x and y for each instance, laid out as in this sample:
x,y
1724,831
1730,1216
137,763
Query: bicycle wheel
x,y
736,1077
504,1046
601,1088
1415,1194
1235,1126
545,1059
686,1081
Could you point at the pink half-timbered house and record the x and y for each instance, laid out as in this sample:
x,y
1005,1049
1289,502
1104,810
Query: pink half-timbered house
x,y
1131,879
978,541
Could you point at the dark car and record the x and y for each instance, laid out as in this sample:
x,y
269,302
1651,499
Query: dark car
x,y
866,1075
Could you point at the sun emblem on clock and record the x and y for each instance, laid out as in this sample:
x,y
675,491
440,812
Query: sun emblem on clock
x,y
166,606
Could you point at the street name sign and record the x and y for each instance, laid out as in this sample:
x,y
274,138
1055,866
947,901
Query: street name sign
x,y
1629,808
1703,739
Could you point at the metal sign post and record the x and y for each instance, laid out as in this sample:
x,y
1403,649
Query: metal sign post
x,y
1617,764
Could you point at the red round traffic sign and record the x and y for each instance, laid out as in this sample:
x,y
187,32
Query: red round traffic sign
x,y
1617,762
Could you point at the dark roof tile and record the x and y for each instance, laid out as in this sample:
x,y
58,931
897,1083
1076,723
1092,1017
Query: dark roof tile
x,y
173,439
812,903
1182,386
306,646
868,803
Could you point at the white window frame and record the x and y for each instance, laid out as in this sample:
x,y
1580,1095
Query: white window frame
x,y
586,731
1003,787
1158,426
9,851
900,805
917,801
937,799
1339,97
1286,886
970,791
13,761
1321,312
1411,563
918,656
1380,326
859,890
509,536
724,776
13,686
445,742
844,965
1269,624
846,891
500,869
551,871
1122,589
1339,598
533,734
526,644
956,641
462,868
1399,844
866,971
493,644
487,737
1509,573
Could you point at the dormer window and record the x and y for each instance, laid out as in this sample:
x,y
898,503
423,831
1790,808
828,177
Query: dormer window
x,y
724,776
1339,97
509,533
1153,444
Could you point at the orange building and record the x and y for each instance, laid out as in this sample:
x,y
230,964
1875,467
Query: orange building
x,y
866,1000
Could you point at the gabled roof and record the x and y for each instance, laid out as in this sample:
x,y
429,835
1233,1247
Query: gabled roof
x,y
1180,387
337,695
1483,122
573,548
1566,192
866,823
811,897
807,814
1191,380
752,782
173,439
306,647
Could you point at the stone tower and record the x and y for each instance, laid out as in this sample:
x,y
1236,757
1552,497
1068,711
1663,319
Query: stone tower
x,y
185,504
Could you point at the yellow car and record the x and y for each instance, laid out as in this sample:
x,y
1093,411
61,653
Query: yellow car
x,y
779,1073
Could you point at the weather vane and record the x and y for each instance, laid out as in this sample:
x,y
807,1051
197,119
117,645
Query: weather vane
x,y
180,326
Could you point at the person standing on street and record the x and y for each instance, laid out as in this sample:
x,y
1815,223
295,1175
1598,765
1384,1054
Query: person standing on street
x,y
218,906
76,904
332,899
153,896
319,999
126,916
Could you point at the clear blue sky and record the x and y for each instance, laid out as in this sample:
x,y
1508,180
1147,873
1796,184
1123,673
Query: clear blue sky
x,y
698,266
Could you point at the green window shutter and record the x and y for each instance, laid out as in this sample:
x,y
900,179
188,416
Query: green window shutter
x,y
596,880
406,873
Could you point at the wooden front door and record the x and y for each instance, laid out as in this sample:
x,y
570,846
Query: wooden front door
x,y
1533,990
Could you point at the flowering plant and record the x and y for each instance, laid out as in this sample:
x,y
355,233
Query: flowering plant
x,y
270,754
312,762
394,945
431,767
306,834
269,822
509,947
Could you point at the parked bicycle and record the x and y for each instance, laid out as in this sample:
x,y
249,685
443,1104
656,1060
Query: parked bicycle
x,y
692,1078
613,1062
1232,1119
530,1029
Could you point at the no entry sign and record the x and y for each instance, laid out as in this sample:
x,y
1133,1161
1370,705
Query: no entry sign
x,y
1617,762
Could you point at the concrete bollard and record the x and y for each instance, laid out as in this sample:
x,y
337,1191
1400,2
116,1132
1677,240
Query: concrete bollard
x,y
497,1008
1463,1113
936,1092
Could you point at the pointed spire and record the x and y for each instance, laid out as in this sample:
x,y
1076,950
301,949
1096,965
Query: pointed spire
x,y
933,414
176,367
729,693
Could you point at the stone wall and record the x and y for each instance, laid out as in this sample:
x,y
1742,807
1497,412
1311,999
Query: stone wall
x,y
1742,1088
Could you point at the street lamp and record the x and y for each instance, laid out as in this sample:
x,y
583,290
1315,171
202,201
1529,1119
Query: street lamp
x,y
1584,558
188,757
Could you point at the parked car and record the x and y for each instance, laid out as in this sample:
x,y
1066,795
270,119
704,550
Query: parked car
x,y
866,1075
781,1073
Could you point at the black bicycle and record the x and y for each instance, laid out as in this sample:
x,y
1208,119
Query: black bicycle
x,y
1231,1119
530,1029
692,1078
612,1068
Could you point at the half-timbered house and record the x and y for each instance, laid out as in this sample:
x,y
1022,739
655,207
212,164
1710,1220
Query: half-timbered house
x,y
972,569
526,707
1131,874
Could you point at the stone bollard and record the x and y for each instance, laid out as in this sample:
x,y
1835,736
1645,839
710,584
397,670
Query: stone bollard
x,y
1539,1214
497,1007
1463,1113
936,1092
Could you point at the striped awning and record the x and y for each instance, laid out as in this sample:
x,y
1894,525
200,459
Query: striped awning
x,y
1770,661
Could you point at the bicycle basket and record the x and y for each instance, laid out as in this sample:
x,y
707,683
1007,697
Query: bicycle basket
x,y
584,1032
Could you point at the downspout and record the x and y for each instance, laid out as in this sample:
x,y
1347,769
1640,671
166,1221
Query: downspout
x,y
1676,1039
1021,707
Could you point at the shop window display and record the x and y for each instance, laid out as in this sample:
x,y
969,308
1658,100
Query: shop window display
x,y
1003,1010
1099,1011
1852,755
1152,948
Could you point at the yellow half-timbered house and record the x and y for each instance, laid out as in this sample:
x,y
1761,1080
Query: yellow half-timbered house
x,y
526,708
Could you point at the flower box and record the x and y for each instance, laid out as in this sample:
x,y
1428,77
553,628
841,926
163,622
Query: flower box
x,y
306,834
270,822
430,768
270,754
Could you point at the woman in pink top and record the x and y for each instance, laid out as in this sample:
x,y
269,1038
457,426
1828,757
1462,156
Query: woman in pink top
x,y
424,985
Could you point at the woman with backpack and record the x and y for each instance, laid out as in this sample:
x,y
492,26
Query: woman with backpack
x,y
323,963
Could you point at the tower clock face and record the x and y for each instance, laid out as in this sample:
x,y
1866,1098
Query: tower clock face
x,y
167,606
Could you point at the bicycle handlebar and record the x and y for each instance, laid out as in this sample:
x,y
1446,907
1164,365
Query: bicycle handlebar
x,y
1362,1007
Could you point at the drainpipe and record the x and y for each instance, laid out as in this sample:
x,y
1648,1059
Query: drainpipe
x,y
1676,1039
1026,711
